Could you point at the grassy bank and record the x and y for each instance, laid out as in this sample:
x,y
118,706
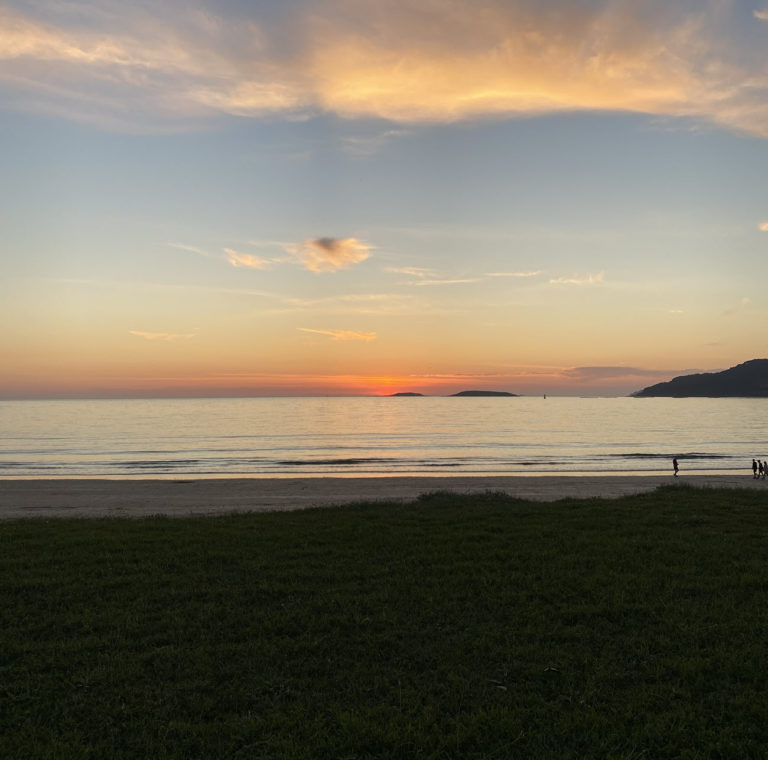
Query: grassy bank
x,y
456,627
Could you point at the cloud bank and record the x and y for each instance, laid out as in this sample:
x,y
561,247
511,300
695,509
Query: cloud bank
x,y
165,67
590,374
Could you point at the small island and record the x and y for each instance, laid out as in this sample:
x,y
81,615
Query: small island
x,y
483,393
747,380
406,393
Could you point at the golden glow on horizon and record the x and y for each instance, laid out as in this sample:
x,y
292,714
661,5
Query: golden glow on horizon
x,y
563,381
88,344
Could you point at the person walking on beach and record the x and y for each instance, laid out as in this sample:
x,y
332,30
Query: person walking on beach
x,y
754,469
760,469
674,465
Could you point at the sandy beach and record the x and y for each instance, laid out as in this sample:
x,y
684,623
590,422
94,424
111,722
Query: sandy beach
x,y
141,498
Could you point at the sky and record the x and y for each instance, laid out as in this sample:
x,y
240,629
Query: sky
x,y
331,197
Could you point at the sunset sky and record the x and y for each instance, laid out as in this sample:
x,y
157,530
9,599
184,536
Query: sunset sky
x,y
369,196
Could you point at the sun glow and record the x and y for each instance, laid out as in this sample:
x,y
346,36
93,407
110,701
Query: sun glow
x,y
385,385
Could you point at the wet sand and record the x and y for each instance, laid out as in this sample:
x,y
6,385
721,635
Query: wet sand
x,y
142,498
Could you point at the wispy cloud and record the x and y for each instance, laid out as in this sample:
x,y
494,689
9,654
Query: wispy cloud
x,y
191,248
367,145
359,303
513,274
342,334
389,304
589,279
121,67
267,244
428,277
153,67
161,335
329,254
444,282
248,260
410,271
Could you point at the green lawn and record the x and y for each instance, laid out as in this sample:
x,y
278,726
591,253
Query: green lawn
x,y
454,627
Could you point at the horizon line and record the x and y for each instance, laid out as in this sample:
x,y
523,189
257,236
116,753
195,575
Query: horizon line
x,y
310,395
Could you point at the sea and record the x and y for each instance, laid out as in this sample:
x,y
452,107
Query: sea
x,y
378,436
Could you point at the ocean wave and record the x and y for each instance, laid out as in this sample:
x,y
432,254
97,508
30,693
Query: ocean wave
x,y
692,455
373,436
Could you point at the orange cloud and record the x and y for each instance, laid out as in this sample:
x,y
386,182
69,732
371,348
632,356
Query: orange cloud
x,y
435,61
329,254
21,37
449,63
247,260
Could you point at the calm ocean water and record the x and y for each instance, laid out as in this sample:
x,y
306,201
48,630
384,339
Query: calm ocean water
x,y
287,437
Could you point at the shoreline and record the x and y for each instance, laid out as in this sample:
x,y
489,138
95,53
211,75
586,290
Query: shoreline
x,y
41,498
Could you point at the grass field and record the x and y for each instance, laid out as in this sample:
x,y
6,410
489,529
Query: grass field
x,y
454,627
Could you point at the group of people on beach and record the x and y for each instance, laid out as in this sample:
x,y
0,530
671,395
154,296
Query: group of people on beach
x,y
759,468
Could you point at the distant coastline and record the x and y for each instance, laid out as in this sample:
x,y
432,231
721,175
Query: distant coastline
x,y
747,380
484,393
465,394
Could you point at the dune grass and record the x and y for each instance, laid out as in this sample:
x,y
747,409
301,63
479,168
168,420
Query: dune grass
x,y
453,627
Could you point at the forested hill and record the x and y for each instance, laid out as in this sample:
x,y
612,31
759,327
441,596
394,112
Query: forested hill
x,y
747,379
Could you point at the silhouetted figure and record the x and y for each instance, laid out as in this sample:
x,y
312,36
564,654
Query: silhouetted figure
x,y
674,464
754,469
760,469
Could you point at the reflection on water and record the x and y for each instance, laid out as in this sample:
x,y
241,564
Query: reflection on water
x,y
367,436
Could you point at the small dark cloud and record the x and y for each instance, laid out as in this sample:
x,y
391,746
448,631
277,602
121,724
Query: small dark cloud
x,y
612,373
327,254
